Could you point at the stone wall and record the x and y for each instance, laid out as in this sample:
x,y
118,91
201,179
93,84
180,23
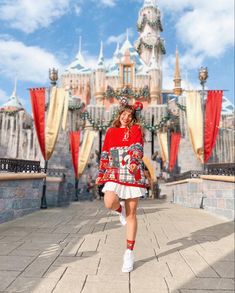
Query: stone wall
x,y
215,196
19,196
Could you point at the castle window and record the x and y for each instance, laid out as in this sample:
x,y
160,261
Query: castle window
x,y
127,76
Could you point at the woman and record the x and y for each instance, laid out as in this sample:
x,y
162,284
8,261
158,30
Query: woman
x,y
121,169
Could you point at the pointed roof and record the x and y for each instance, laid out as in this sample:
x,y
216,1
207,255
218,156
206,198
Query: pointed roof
x,y
13,103
177,66
100,63
79,64
127,45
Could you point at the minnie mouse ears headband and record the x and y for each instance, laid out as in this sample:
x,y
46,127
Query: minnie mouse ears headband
x,y
137,106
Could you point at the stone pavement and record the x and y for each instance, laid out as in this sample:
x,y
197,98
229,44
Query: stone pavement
x,y
79,249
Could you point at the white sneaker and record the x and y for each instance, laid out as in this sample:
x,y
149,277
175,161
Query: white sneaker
x,y
122,215
128,261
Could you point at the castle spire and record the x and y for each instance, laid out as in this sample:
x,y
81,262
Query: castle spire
x,y
177,78
15,86
148,3
13,102
127,35
100,63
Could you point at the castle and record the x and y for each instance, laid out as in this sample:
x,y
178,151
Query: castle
x,y
135,70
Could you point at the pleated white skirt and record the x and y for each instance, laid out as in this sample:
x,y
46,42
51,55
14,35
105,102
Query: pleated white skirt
x,y
124,191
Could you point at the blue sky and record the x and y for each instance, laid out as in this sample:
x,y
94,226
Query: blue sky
x,y
37,35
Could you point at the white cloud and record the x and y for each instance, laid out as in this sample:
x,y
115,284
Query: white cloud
x,y
109,3
119,38
3,97
28,15
188,62
77,9
28,63
204,27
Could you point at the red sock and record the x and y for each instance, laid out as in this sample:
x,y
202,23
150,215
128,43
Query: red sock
x,y
119,210
130,244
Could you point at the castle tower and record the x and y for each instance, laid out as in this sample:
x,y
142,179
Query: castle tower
x,y
100,77
155,80
177,79
13,104
149,27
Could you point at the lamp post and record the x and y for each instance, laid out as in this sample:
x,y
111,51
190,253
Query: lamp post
x,y
203,75
53,76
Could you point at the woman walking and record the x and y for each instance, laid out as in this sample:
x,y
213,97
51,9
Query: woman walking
x,y
121,169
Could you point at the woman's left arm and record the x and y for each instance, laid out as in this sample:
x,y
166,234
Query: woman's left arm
x,y
136,145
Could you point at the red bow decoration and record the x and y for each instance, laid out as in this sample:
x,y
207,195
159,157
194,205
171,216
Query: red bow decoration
x,y
137,106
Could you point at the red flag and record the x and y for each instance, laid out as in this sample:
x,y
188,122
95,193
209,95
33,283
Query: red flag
x,y
212,121
175,141
74,138
38,97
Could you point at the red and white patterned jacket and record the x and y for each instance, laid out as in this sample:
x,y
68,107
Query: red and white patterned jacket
x,y
122,147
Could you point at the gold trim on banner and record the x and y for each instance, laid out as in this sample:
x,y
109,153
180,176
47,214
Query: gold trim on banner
x,y
53,122
163,145
150,167
87,143
65,110
195,122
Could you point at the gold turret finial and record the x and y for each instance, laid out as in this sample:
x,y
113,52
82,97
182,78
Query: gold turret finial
x,y
177,79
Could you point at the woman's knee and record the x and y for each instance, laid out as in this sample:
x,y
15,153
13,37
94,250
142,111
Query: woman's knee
x,y
109,199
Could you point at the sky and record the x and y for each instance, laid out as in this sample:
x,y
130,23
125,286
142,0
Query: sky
x,y
38,35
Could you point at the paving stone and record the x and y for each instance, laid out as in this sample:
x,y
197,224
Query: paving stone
x,y
224,268
6,278
107,284
14,263
32,285
70,284
81,246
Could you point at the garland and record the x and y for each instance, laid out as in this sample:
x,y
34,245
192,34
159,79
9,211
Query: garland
x,y
100,125
181,107
153,24
127,92
150,47
153,128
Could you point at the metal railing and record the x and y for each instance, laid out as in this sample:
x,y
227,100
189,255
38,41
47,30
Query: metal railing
x,y
27,166
14,165
223,169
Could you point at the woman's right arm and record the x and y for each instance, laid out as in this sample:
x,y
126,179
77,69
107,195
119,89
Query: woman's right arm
x,y
104,158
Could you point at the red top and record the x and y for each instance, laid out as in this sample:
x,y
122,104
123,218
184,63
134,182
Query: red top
x,y
122,147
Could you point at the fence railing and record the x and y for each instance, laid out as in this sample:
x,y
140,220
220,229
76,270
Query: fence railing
x,y
223,169
14,165
27,166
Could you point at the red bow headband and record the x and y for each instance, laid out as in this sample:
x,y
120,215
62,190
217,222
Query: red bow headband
x,y
137,106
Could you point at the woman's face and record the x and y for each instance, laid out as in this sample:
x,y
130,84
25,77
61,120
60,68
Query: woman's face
x,y
125,118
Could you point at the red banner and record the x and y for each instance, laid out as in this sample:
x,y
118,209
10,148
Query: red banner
x,y
212,121
38,97
175,142
74,138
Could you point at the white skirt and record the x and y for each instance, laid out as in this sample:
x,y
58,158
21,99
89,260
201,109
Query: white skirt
x,y
124,191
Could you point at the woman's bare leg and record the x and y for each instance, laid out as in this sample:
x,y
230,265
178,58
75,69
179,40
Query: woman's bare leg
x,y
111,200
131,207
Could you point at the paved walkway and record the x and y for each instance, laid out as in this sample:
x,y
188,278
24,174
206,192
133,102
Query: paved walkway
x,y
79,249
